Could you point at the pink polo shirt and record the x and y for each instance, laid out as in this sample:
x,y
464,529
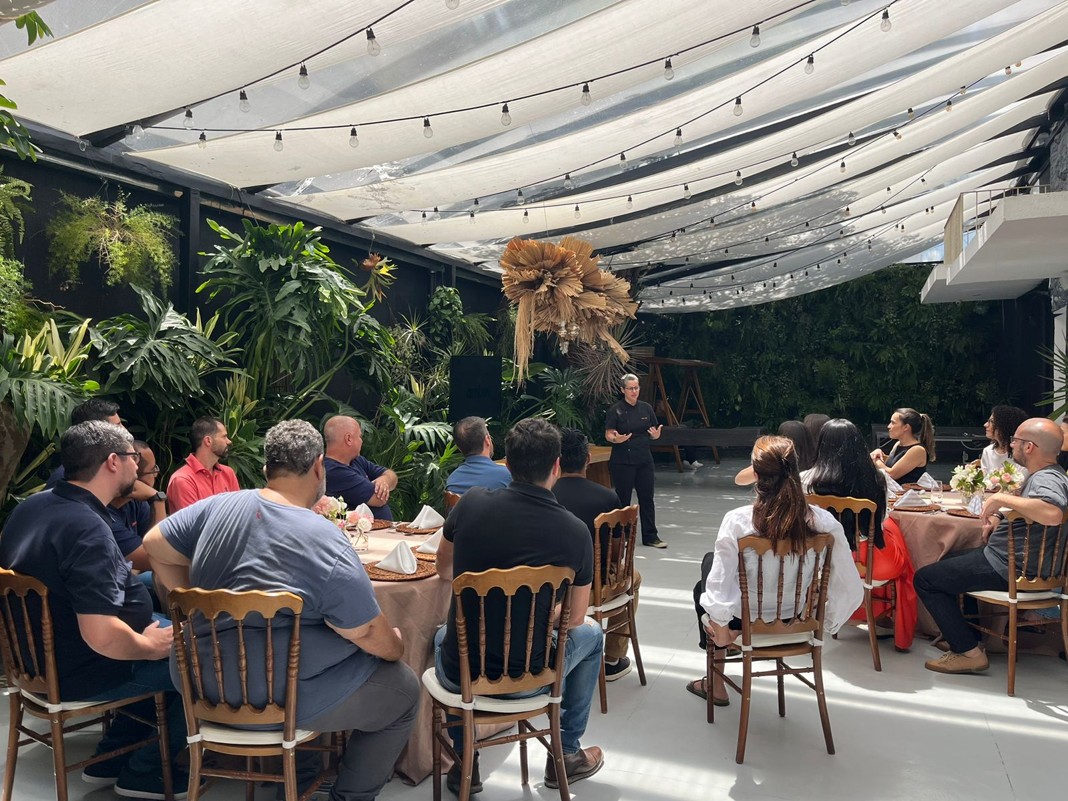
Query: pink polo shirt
x,y
193,481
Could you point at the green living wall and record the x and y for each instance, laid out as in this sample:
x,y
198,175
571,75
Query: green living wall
x,y
856,350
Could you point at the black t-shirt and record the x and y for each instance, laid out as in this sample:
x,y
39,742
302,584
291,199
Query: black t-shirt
x,y
586,499
635,420
520,525
62,537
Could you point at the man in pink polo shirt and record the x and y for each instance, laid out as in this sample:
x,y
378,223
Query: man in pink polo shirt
x,y
202,475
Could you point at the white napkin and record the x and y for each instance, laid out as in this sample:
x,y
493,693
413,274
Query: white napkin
x,y
910,499
927,481
431,545
428,518
400,560
975,503
891,485
363,510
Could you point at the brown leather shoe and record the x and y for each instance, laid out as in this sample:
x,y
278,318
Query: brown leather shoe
x,y
951,662
580,765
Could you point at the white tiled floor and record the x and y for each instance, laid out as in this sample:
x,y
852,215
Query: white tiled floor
x,y
904,733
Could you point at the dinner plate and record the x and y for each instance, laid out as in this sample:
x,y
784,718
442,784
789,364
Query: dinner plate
x,y
423,570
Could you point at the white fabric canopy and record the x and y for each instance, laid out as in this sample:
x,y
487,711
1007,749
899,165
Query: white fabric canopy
x,y
116,68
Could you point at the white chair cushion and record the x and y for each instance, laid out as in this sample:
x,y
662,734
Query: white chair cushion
x,y
63,706
773,640
613,604
217,733
1003,597
483,703
881,583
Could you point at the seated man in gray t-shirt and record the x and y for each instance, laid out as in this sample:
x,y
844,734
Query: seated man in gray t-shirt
x,y
349,676
1043,499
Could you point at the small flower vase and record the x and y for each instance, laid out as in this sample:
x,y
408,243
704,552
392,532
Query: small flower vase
x,y
361,542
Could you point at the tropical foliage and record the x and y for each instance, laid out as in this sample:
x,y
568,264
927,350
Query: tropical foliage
x,y
12,132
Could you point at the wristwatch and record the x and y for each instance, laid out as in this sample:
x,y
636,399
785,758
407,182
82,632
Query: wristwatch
x,y
159,496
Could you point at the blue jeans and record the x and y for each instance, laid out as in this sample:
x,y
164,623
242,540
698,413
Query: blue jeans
x,y
582,666
939,585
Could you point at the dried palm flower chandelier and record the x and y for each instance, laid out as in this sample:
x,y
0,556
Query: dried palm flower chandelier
x,y
558,289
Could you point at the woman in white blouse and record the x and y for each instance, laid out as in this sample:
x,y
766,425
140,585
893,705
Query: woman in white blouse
x,y
1002,424
779,513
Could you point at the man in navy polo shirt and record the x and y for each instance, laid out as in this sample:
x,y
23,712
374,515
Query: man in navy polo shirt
x,y
478,470
107,644
351,476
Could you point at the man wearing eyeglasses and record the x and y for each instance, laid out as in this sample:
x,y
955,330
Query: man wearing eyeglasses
x,y
107,645
1043,499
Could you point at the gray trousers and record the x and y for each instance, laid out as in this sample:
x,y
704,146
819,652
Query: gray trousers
x,y
380,715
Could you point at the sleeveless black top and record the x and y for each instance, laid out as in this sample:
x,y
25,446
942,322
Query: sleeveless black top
x,y
913,475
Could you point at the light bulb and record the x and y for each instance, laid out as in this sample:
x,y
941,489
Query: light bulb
x,y
587,98
304,82
1019,63
630,201
437,214
911,113
949,105
738,178
519,199
882,209
842,166
897,134
138,131
452,5
373,47
810,65
963,89
737,106
885,26
578,214
202,142
678,137
847,211
354,140
793,159
428,132
752,205
851,139
686,191
889,190
754,40
711,222
506,116
424,218
187,121
278,141
622,161
669,72
471,217
476,205
568,183
1008,70
242,101
526,217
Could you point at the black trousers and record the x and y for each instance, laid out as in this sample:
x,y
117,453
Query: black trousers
x,y
626,478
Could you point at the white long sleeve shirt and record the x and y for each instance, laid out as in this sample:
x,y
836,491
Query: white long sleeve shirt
x,y
722,598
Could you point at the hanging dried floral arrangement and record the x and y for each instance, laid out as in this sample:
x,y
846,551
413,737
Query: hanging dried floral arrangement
x,y
558,289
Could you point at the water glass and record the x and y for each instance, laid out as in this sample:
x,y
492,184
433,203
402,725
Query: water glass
x,y
936,493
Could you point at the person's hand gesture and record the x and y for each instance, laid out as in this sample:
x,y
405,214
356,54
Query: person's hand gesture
x,y
654,431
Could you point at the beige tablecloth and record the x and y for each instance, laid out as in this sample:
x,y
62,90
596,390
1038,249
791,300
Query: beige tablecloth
x,y
417,608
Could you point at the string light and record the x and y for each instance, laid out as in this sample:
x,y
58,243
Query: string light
x,y
622,161
1008,70
568,183
586,98
897,134
506,116
738,106
138,131
437,214
202,141
712,222
793,159
526,216
471,217
303,81
519,199
424,218
842,166
851,139
754,40
278,141
678,137
738,178
187,121
949,105
578,214
630,201
912,114
669,71
686,191
373,47
963,89
885,25
354,140
752,205
810,64
476,205
242,101
428,132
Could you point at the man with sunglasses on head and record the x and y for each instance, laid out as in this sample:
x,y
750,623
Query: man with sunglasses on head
x,y
1043,499
107,644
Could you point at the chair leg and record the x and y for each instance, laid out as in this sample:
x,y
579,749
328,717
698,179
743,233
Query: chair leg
x,y
14,707
634,644
710,666
437,730
196,757
467,759
869,612
602,686
164,746
557,744
289,773
782,689
1012,649
524,765
743,715
59,757
821,698
1064,626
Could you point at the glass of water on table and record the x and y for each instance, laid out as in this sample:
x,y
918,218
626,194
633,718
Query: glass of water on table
x,y
936,493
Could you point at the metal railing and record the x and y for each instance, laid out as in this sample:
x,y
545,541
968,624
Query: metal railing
x,y
972,210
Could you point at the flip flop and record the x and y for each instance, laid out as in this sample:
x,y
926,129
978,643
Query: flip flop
x,y
697,688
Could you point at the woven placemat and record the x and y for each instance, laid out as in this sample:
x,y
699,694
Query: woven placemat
x,y
423,570
958,512
378,525
929,507
407,528
424,557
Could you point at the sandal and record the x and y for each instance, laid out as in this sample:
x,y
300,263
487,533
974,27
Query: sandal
x,y
697,687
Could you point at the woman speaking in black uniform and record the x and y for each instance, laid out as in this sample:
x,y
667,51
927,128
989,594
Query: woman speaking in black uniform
x,y
630,427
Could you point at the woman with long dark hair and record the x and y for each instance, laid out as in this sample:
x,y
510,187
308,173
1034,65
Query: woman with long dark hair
x,y
779,513
999,428
804,444
913,448
843,467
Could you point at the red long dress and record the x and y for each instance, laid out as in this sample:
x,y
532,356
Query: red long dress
x,y
892,563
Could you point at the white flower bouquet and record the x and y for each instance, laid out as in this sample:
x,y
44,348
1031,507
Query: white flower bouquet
x,y
968,479
1007,478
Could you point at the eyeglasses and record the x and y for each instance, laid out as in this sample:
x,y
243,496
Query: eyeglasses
x,y
153,472
1020,439
132,454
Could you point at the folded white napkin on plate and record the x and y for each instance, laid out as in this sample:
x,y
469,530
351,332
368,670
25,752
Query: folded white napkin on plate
x,y
431,545
927,481
910,499
891,485
400,560
363,510
428,518
975,503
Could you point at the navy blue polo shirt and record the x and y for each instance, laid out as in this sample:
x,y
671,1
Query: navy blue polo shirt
x,y
355,483
129,524
62,537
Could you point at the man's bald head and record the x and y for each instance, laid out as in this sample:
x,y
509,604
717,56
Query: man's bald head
x,y
1044,434
343,438
337,427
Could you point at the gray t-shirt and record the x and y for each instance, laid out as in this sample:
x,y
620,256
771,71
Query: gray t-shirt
x,y
1049,484
241,541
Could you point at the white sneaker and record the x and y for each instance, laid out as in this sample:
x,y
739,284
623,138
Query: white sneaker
x,y
686,465
696,464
